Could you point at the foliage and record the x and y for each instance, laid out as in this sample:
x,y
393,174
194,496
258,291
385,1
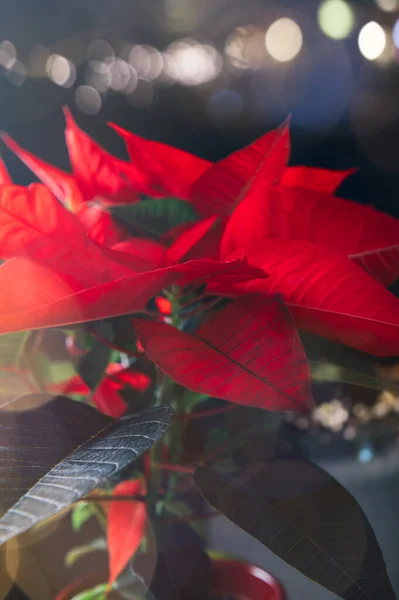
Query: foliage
x,y
174,281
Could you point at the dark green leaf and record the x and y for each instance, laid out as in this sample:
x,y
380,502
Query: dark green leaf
x,y
154,218
54,451
91,367
307,518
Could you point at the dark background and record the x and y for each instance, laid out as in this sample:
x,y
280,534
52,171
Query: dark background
x,y
344,108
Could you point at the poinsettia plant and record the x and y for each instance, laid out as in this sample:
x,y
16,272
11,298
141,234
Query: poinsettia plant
x,y
173,283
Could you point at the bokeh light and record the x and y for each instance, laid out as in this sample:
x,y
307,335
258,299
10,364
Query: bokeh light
x,y
372,40
284,40
192,63
395,33
88,99
388,5
60,70
8,54
336,18
245,48
17,73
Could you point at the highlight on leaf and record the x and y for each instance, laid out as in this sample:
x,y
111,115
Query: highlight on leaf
x,y
65,449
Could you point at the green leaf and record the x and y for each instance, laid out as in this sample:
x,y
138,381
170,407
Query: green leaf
x,y
81,513
60,451
321,371
91,367
99,592
154,218
76,553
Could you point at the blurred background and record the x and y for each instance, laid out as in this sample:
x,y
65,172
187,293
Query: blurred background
x,y
209,76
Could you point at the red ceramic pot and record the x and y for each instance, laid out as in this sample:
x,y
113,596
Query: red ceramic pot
x,y
241,581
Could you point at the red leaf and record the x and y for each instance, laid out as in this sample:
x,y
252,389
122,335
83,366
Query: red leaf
x,y
96,171
39,296
163,305
148,254
63,185
327,294
168,171
247,353
123,376
126,523
225,184
190,238
107,399
300,214
5,179
33,223
318,180
382,263
100,225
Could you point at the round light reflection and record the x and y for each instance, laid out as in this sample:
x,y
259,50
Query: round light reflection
x,y
372,40
336,19
87,99
284,40
388,5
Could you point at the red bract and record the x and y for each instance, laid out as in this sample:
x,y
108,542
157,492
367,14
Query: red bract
x,y
248,353
106,397
34,224
167,171
224,185
316,179
5,179
327,294
294,213
39,296
125,526
190,239
99,225
63,185
96,173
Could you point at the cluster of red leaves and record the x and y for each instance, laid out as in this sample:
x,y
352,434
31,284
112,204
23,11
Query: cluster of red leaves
x,y
266,230
269,237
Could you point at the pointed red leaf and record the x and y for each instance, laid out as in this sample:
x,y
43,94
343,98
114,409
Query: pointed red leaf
x,y
5,179
100,226
39,296
316,179
96,171
327,294
33,223
63,185
300,214
126,523
381,263
189,239
168,171
225,184
248,353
